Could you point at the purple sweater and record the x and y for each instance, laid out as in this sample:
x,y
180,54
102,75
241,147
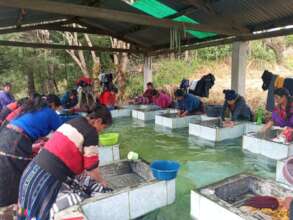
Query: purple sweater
x,y
5,99
278,117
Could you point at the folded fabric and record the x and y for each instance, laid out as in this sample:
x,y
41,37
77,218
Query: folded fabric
x,y
261,202
279,83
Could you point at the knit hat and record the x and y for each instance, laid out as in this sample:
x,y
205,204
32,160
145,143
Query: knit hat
x,y
230,94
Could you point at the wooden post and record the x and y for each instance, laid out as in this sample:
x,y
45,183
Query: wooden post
x,y
147,70
239,57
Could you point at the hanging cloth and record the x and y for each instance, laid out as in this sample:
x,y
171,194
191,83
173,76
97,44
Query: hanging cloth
x,y
279,83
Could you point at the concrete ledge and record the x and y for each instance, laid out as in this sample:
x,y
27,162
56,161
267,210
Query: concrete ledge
x,y
118,113
215,134
148,115
225,199
109,154
279,173
131,203
174,122
205,209
266,148
252,127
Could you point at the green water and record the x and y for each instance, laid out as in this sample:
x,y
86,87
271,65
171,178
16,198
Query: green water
x,y
200,166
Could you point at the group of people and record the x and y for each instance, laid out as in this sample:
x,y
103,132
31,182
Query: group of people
x,y
33,182
234,106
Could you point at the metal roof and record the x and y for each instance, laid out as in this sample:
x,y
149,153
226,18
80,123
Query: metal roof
x,y
238,15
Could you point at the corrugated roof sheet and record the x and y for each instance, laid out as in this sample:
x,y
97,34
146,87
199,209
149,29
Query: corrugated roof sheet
x,y
254,15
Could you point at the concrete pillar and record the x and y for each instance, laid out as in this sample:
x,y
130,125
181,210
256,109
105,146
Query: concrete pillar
x,y
147,70
239,57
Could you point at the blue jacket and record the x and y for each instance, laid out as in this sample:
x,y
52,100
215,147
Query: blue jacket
x,y
5,99
241,110
189,103
38,124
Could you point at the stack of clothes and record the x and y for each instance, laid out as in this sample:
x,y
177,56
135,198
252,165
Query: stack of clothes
x,y
200,87
271,82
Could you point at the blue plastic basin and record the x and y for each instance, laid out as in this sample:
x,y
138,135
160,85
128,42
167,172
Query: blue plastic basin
x,y
165,169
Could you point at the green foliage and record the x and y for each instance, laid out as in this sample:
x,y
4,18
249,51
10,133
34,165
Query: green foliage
x,y
173,71
134,84
215,53
289,40
259,51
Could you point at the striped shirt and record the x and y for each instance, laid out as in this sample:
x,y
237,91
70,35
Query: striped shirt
x,y
71,149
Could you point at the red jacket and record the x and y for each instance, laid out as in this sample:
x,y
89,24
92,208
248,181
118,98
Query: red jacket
x,y
107,98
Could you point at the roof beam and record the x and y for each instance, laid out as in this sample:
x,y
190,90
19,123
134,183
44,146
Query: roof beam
x,y
66,47
45,26
228,40
113,15
133,41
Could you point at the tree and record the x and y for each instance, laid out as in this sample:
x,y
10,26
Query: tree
x,y
120,61
278,45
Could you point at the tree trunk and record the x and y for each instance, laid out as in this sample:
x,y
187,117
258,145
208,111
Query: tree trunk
x,y
121,62
30,83
278,45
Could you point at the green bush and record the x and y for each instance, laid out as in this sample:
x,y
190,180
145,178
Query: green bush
x,y
260,51
215,53
289,40
173,71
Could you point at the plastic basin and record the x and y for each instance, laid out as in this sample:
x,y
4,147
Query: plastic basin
x,y
165,169
109,139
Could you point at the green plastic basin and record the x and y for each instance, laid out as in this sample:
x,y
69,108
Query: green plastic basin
x,y
109,139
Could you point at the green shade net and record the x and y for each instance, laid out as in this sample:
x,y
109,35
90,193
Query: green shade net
x,y
159,10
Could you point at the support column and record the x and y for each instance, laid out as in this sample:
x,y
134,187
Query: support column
x,y
147,70
239,58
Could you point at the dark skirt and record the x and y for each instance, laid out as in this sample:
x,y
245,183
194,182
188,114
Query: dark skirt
x,y
37,193
13,143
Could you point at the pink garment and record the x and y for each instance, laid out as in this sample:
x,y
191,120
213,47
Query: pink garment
x,y
163,100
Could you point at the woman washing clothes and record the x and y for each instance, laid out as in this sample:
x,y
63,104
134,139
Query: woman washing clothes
x,y
161,99
147,97
282,115
35,121
236,106
187,104
71,150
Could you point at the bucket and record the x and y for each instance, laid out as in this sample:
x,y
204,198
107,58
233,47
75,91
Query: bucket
x,y
165,169
132,156
109,139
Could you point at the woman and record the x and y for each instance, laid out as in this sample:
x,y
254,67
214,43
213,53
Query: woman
x,y
236,105
35,121
54,103
283,113
161,99
6,113
187,104
71,150
108,97
147,97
